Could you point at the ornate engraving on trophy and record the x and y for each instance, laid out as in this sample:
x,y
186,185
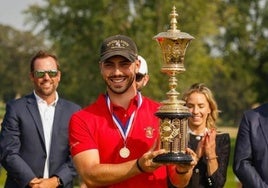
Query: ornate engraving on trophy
x,y
173,113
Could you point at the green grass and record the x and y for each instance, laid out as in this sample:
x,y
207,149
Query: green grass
x,y
231,182
2,177
2,110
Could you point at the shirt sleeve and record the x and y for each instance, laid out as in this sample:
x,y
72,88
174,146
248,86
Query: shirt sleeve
x,y
80,137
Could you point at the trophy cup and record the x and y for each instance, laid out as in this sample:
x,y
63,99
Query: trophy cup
x,y
173,113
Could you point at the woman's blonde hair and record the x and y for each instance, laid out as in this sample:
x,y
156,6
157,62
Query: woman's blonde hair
x,y
201,88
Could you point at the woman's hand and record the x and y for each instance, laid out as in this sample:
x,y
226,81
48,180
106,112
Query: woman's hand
x,y
207,146
210,144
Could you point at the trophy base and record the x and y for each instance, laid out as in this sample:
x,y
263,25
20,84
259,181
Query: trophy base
x,y
179,158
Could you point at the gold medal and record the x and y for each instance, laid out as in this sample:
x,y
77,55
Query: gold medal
x,y
124,152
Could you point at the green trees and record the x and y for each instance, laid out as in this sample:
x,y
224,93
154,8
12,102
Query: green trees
x,y
243,48
16,50
78,27
228,53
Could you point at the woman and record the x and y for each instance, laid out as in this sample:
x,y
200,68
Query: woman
x,y
211,147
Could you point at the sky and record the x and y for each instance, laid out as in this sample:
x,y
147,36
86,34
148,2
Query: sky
x,y
11,12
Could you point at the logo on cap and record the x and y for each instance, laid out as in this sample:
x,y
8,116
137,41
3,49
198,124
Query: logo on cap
x,y
119,45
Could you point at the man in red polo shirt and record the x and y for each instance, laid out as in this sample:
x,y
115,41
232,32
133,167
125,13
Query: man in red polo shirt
x,y
113,140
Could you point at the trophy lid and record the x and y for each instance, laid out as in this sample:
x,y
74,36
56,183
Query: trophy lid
x,y
173,33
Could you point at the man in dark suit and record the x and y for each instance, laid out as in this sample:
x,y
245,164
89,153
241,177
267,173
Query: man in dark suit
x,y
34,137
251,150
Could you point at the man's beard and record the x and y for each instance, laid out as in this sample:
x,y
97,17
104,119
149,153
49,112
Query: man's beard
x,y
119,91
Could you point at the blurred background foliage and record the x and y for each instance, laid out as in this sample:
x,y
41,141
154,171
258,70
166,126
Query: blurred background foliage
x,y
229,52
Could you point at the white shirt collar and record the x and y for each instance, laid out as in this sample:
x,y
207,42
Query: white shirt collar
x,y
202,134
40,100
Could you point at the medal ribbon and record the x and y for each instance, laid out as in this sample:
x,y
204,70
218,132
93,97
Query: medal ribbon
x,y
124,131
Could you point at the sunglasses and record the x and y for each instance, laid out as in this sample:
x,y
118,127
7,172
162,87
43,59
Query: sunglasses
x,y
139,77
42,73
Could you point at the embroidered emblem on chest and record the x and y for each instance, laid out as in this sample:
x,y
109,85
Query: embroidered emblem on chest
x,y
149,132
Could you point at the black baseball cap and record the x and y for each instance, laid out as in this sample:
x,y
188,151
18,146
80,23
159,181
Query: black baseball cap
x,y
118,45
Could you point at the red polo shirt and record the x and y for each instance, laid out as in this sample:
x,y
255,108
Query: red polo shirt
x,y
94,128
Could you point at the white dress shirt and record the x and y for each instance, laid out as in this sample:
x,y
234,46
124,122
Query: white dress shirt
x,y
47,116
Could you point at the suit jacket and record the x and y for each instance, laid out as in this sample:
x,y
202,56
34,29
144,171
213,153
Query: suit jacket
x,y
251,149
22,144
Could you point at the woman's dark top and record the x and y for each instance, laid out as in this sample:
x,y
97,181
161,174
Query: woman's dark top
x,y
200,179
